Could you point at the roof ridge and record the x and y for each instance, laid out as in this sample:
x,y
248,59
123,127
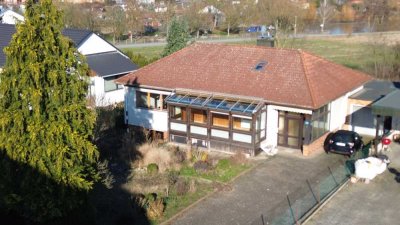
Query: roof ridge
x,y
311,90
102,53
248,46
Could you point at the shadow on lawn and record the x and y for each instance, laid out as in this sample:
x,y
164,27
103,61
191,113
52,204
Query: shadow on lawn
x,y
104,205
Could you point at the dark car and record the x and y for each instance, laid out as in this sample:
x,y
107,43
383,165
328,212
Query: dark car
x,y
343,142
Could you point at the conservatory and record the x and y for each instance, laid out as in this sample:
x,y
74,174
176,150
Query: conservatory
x,y
228,123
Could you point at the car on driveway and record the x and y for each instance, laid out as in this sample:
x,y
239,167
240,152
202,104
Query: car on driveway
x,y
343,142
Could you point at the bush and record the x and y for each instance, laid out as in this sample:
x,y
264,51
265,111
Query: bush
x,y
160,156
139,59
152,168
198,155
155,209
239,159
153,205
182,187
180,156
201,166
173,177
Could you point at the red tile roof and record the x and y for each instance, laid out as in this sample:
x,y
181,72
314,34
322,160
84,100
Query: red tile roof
x,y
291,77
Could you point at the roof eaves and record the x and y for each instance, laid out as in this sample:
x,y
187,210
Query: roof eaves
x,y
306,74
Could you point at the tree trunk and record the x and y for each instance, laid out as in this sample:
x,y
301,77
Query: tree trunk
x,y
229,28
198,34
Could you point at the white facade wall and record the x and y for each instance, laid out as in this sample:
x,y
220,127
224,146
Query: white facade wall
x,y
338,113
150,119
103,98
339,110
272,126
95,44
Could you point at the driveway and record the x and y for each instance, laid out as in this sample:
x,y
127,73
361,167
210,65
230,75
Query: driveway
x,y
262,190
362,204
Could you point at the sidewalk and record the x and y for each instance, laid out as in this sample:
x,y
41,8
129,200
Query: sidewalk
x,y
361,204
260,191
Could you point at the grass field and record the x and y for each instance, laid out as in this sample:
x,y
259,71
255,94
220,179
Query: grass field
x,y
356,52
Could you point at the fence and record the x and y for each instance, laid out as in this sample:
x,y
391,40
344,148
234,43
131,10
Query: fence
x,y
299,204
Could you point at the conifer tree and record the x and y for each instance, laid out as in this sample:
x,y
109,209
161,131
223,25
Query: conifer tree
x,y
177,37
46,157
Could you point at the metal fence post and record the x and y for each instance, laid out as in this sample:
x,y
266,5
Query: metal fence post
x,y
312,192
337,184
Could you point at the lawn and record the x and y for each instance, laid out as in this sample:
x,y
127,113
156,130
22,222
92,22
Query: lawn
x,y
223,172
353,52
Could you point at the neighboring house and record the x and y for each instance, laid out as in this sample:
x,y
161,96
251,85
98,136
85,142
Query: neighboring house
x,y
360,111
106,62
13,2
234,98
10,17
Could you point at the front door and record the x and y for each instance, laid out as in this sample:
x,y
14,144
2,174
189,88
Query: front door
x,y
290,127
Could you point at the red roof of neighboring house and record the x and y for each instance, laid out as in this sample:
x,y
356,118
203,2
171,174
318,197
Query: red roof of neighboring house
x,y
290,77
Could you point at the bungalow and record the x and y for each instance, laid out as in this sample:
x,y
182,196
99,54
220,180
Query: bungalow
x,y
106,62
241,98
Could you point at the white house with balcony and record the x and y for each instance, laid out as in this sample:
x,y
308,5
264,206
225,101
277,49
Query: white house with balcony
x,y
106,62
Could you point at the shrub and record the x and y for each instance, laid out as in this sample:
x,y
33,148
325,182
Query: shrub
x,y
173,177
239,159
192,186
181,187
201,166
152,168
155,209
105,174
199,155
180,156
160,156
151,203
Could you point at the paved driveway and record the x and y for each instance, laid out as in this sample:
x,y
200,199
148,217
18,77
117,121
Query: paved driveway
x,y
261,191
362,204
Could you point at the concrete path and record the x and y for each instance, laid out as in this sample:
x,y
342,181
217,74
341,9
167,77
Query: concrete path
x,y
362,204
261,191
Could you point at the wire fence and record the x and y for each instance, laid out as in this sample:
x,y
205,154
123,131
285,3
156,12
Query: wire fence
x,y
299,204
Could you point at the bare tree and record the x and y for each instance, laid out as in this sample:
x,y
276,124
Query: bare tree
x,y
325,12
196,19
115,21
134,18
280,13
233,15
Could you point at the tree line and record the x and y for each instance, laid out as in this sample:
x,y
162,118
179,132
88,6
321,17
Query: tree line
x,y
223,16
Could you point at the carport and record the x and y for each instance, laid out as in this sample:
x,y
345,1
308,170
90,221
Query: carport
x,y
387,109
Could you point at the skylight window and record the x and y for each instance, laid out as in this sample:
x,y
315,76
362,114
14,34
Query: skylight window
x,y
260,66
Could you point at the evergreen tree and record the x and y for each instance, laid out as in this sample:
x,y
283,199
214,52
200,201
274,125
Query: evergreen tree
x,y
47,161
177,37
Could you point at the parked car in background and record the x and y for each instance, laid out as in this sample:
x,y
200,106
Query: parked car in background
x,y
343,142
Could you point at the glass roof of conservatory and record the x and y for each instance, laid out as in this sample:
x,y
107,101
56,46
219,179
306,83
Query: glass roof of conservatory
x,y
213,102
